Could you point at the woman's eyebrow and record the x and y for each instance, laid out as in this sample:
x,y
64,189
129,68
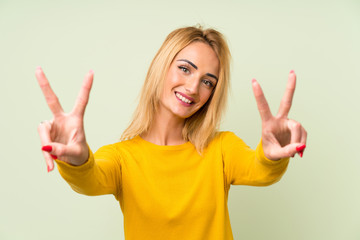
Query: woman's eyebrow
x,y
194,66
213,76
189,62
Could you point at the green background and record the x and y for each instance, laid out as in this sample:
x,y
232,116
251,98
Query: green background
x,y
318,197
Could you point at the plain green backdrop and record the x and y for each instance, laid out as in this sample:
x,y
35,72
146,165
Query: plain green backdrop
x,y
318,197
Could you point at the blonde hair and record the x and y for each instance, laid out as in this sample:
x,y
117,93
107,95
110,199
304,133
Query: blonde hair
x,y
201,127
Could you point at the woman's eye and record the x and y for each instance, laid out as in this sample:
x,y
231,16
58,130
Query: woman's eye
x,y
208,83
184,69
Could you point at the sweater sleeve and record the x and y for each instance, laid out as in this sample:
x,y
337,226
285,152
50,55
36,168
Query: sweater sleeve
x,y
244,166
100,175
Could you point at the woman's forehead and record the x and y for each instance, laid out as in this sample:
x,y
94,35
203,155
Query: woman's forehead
x,y
201,54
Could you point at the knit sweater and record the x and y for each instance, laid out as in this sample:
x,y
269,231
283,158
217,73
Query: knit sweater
x,y
173,192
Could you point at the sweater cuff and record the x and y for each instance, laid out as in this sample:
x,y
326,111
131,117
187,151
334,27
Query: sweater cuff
x,y
76,170
260,155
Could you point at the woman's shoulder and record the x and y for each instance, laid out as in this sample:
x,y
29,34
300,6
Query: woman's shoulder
x,y
224,135
224,138
227,141
121,145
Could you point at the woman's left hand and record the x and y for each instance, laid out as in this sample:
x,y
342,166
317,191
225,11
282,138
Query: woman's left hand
x,y
281,137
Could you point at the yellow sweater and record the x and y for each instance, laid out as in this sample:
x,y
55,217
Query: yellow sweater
x,y
171,192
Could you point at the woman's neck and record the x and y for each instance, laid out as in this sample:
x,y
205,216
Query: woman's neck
x,y
166,129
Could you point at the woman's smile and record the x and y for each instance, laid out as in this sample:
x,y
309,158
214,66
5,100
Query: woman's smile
x,y
184,99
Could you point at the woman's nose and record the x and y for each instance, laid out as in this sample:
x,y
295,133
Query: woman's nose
x,y
192,86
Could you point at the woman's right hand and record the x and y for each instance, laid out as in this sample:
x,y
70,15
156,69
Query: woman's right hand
x,y
63,137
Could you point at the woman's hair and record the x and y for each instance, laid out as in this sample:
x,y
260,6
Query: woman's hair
x,y
202,126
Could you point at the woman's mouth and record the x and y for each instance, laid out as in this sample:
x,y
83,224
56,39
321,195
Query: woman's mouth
x,y
182,98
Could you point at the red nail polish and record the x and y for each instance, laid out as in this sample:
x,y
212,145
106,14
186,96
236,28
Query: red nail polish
x,y
301,153
53,156
300,148
47,148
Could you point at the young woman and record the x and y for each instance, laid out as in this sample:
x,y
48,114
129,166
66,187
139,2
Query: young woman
x,y
173,169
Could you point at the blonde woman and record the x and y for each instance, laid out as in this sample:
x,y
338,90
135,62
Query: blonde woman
x,y
172,169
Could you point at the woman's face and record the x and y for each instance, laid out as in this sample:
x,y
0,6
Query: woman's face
x,y
191,79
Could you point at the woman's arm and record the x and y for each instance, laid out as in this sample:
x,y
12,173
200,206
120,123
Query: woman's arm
x,y
281,139
245,166
63,140
101,174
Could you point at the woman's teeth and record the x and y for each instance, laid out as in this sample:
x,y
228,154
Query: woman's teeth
x,y
182,98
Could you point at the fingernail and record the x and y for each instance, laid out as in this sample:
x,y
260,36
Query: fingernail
x,y
301,153
91,71
292,71
38,68
300,148
53,156
48,168
47,148
253,80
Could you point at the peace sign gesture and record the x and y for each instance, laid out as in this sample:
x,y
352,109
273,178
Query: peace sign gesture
x,y
281,137
63,137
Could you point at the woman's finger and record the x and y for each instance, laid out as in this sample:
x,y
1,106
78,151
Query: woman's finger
x,y
51,98
44,132
286,101
56,149
277,152
261,102
295,131
84,93
303,136
73,154
303,141
289,150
